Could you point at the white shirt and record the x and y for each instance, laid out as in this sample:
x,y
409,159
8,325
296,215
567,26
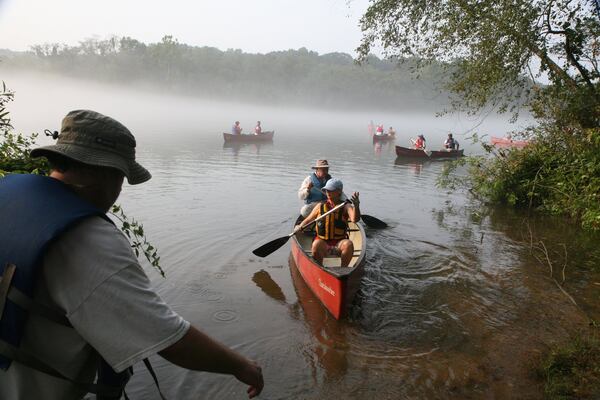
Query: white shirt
x,y
91,274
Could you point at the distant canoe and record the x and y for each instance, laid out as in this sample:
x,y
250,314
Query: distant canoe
x,y
333,285
384,138
437,154
505,142
261,137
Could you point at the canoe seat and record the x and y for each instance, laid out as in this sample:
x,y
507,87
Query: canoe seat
x,y
356,253
332,261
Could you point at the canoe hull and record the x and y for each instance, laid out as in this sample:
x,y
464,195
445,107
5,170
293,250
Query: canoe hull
x,y
504,142
263,137
335,287
435,154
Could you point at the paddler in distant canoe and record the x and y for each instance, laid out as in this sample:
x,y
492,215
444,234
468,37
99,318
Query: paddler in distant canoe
x,y
236,129
420,143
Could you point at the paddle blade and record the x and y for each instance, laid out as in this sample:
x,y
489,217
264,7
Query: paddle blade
x,y
270,247
373,222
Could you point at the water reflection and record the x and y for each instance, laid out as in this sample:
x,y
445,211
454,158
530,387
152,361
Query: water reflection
x,y
327,354
330,348
263,280
250,147
383,147
414,164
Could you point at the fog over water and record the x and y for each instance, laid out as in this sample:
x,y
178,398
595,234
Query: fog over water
x,y
42,100
452,304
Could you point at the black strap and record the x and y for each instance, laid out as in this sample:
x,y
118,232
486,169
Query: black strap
x,y
153,374
5,280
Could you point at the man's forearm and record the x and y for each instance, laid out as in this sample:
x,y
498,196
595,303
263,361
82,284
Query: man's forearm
x,y
197,351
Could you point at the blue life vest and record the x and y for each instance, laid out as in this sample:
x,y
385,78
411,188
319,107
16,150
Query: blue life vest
x,y
35,210
315,192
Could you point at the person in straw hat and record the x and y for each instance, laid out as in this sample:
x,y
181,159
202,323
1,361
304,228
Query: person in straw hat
x,y
310,190
74,301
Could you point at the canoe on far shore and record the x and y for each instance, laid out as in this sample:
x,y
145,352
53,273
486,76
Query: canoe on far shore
x,y
261,137
427,154
506,142
333,285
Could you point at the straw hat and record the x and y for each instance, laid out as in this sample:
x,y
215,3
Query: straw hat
x,y
321,164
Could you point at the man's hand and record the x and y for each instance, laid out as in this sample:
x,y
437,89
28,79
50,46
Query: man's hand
x,y
355,199
297,228
251,375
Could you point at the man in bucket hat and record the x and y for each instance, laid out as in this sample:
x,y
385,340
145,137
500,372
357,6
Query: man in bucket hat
x,y
74,301
310,190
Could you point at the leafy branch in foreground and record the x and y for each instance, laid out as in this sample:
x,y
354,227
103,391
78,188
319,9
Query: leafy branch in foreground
x,y
135,233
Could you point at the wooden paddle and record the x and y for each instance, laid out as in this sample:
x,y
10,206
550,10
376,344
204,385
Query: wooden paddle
x,y
421,148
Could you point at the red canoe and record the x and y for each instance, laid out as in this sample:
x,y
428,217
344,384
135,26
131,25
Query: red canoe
x,y
437,154
333,285
506,142
261,137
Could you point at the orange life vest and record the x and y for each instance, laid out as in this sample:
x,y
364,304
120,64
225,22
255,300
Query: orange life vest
x,y
333,226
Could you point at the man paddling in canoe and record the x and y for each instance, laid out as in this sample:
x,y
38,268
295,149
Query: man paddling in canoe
x,y
236,129
310,190
332,231
451,143
74,300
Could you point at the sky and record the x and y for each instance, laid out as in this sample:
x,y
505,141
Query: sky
x,y
254,26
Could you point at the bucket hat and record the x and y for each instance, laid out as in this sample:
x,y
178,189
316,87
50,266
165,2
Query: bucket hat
x,y
95,139
321,164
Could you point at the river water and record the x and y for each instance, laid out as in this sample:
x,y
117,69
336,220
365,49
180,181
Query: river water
x,y
453,304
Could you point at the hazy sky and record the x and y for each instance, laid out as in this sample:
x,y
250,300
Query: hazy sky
x,y
255,26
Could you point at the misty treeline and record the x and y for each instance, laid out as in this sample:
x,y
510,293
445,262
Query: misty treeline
x,y
297,77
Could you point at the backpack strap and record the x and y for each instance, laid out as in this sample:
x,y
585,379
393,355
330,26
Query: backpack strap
x,y
153,374
33,362
5,281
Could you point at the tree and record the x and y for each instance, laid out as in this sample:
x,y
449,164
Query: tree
x,y
541,53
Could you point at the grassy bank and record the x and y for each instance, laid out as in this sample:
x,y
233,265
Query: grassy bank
x,y
572,371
